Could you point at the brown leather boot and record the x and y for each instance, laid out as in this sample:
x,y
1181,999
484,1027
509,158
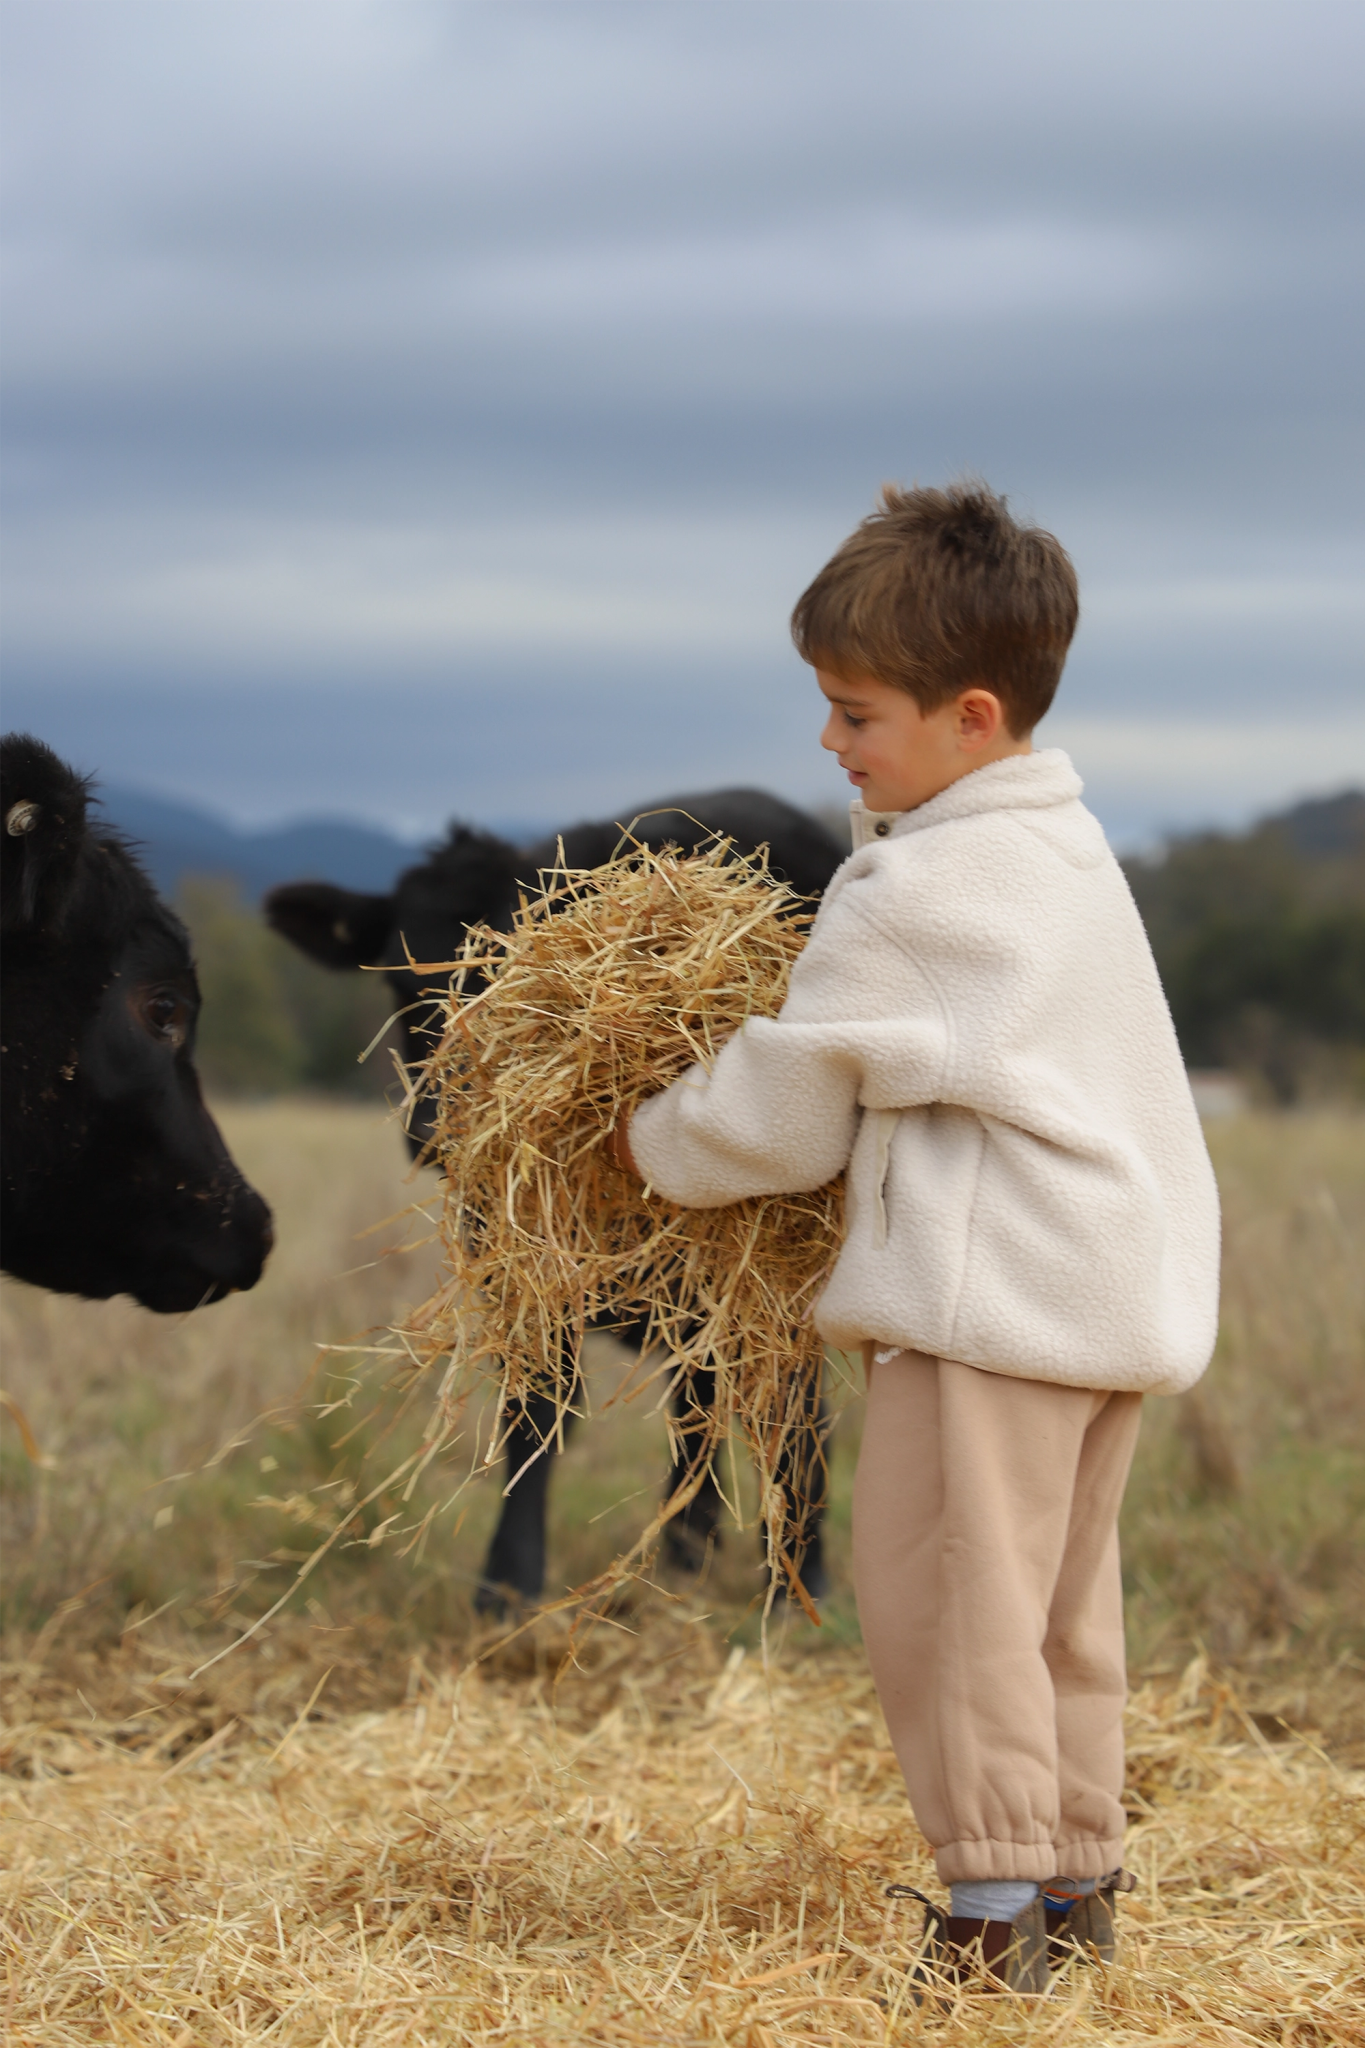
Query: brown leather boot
x,y
1087,1927
1000,1955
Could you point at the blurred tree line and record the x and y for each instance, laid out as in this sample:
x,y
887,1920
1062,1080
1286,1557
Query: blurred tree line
x,y
273,1020
1259,937
1260,940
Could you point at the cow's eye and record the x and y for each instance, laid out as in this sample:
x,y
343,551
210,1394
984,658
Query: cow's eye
x,y
166,1015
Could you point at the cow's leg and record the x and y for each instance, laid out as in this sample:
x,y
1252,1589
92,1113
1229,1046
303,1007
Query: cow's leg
x,y
691,1534
694,1532
803,1475
515,1564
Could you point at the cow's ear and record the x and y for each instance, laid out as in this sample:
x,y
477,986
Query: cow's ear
x,y
42,830
339,927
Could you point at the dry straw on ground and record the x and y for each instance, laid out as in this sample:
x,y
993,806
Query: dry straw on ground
x,y
665,1846
610,985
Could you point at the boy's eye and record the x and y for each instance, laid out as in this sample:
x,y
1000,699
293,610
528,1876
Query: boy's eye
x,y
849,719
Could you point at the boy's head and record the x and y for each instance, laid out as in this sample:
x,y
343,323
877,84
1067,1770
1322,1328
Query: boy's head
x,y
940,592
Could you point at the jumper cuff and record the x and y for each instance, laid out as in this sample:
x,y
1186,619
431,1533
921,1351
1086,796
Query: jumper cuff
x,y
1085,1857
963,1862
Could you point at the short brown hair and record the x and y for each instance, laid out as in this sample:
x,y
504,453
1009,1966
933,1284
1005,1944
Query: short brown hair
x,y
940,590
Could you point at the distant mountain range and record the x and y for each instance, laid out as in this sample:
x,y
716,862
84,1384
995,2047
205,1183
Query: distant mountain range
x,y
1320,828
1325,827
174,840
179,839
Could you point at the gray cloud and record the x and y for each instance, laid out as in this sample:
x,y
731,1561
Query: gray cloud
x,y
485,353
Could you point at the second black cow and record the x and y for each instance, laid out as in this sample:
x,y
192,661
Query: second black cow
x,y
474,878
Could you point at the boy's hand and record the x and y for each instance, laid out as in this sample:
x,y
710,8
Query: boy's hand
x,y
618,1144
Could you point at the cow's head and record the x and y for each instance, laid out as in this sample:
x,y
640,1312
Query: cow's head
x,y
470,879
115,1177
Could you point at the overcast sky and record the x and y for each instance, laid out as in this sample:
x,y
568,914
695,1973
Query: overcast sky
x,y
415,407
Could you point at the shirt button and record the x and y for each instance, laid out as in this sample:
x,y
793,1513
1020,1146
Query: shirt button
x,y
881,828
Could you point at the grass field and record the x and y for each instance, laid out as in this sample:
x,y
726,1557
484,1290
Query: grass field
x,y
187,1470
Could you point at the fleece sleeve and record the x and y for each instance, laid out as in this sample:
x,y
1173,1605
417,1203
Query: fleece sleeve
x,y
778,1113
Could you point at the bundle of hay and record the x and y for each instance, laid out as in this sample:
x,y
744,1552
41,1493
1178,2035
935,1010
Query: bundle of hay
x,y
610,984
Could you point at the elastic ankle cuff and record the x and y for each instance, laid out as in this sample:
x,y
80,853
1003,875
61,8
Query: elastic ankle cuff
x,y
975,1862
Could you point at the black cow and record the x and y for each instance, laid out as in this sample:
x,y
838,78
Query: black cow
x,y
474,878
115,1179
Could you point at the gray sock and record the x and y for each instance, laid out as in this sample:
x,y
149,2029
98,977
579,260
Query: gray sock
x,y
993,1898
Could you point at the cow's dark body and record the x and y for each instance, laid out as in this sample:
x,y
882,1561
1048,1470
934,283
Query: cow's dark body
x,y
115,1177
474,878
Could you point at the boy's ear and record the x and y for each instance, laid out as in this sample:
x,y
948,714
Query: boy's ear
x,y
981,715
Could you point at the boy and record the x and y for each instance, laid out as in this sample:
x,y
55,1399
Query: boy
x,y
976,1032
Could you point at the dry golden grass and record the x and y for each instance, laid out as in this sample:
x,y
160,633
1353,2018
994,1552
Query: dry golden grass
x,y
610,984
669,1845
1242,1526
130,1407
425,1832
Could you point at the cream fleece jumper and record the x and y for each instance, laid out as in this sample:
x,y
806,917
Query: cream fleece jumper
x,y
976,1031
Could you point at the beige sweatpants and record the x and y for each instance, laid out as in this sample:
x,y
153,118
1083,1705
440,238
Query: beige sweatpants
x,y
985,1556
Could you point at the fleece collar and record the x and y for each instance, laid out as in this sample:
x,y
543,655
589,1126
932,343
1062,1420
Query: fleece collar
x,y
1021,782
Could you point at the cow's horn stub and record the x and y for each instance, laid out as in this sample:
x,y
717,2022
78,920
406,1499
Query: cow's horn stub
x,y
21,818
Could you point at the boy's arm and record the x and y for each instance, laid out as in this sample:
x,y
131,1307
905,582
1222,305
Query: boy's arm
x,y
779,1111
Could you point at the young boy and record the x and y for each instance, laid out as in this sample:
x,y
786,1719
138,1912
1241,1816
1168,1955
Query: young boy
x,y
976,1033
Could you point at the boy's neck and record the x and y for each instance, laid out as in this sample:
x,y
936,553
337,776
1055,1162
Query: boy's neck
x,y
877,824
